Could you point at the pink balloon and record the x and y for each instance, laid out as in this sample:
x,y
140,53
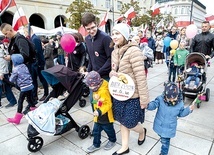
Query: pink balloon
x,y
68,43
191,31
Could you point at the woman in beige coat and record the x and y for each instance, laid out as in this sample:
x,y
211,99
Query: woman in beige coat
x,y
128,59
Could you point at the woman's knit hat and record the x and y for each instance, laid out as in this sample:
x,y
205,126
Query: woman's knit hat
x,y
124,29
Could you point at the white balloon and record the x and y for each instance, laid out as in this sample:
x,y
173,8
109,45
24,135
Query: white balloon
x,y
191,31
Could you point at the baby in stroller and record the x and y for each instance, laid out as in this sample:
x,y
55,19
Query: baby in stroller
x,y
194,73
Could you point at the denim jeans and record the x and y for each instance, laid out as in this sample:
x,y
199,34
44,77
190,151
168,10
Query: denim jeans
x,y
61,59
172,73
165,145
36,72
109,130
8,91
193,78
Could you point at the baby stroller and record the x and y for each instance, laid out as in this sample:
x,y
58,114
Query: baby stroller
x,y
200,92
60,78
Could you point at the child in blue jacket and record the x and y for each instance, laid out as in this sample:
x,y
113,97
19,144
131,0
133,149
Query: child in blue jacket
x,y
169,106
22,77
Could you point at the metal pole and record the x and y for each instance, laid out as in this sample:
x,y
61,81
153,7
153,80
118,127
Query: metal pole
x,y
190,21
113,12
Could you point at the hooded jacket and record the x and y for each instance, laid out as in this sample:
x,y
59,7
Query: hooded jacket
x,y
20,74
129,60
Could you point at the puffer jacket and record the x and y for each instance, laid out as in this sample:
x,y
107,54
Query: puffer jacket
x,y
130,60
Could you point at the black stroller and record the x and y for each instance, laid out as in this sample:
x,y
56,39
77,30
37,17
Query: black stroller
x,y
61,78
200,91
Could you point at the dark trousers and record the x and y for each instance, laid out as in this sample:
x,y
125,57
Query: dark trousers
x,y
22,96
8,91
36,72
165,145
172,73
61,59
109,130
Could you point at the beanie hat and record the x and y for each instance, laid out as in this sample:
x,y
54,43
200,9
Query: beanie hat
x,y
59,33
171,90
123,29
93,79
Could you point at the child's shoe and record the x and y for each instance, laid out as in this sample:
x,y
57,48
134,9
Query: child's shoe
x,y
17,118
195,87
92,148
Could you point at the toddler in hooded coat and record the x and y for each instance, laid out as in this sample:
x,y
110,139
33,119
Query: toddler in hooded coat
x,y
21,76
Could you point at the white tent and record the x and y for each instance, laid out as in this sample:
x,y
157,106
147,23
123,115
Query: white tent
x,y
40,31
62,30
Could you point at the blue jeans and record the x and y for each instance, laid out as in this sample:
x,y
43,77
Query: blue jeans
x,y
61,59
172,73
8,91
165,145
109,130
193,78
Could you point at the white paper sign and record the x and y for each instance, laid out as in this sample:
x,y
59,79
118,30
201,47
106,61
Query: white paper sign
x,y
122,87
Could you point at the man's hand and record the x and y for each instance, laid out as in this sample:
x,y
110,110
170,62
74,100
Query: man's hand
x,y
7,57
207,57
1,77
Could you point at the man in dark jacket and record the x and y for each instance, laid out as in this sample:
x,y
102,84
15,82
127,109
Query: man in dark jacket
x,y
38,66
204,42
97,43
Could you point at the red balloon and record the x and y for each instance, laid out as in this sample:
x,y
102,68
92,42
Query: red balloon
x,y
68,43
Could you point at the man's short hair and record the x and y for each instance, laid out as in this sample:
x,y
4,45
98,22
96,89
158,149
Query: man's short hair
x,y
88,18
205,22
5,26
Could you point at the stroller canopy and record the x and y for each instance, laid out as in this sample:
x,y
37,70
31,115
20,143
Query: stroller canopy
x,y
60,73
196,57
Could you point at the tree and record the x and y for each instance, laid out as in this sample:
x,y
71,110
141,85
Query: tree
x,y
76,9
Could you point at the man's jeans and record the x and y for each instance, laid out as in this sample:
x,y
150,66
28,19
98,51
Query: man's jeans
x,y
8,91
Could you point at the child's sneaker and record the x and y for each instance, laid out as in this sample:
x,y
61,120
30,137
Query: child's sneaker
x,y
195,87
109,145
92,148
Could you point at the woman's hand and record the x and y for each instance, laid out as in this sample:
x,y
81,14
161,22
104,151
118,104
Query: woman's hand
x,y
113,73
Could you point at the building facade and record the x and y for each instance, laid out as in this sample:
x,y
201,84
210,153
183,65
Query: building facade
x,y
46,14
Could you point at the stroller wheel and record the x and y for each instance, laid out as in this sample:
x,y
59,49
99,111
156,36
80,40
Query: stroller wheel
x,y
207,94
84,131
35,144
82,102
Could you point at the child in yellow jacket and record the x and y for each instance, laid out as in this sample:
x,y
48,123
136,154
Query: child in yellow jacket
x,y
103,115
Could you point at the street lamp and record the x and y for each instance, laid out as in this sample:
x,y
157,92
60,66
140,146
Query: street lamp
x,y
190,22
112,10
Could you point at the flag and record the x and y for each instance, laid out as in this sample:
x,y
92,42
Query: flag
x,y
160,24
82,31
183,21
155,9
4,3
210,18
103,22
130,13
19,19
119,18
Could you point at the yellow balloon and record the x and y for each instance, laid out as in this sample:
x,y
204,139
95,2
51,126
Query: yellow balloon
x,y
172,52
174,44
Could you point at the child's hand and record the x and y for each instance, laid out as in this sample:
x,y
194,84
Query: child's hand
x,y
192,107
96,113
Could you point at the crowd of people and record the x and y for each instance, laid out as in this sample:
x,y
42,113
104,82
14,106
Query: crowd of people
x,y
105,57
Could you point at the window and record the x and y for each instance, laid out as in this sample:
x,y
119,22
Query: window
x,y
94,2
108,4
119,5
182,10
